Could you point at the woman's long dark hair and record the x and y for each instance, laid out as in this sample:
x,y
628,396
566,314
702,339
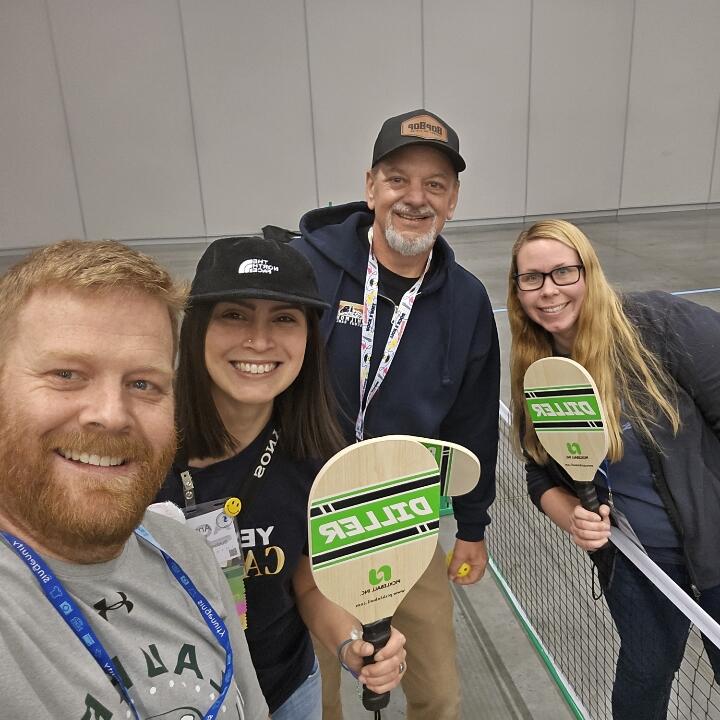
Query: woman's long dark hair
x,y
305,412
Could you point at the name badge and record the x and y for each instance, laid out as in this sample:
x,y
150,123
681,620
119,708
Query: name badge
x,y
216,522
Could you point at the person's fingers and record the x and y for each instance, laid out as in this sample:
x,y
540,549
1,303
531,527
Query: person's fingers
x,y
386,674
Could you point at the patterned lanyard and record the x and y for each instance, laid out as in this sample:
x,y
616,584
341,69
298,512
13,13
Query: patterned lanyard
x,y
73,616
401,314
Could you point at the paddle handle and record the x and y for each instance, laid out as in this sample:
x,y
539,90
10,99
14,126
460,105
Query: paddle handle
x,y
377,633
588,496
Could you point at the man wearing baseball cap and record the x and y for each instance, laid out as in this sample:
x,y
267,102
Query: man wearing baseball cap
x,y
429,364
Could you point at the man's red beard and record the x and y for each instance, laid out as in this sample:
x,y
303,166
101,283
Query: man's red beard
x,y
83,512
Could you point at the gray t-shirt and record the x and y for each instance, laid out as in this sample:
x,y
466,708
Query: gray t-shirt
x,y
171,662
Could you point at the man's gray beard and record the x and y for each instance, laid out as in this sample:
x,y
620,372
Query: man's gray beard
x,y
416,245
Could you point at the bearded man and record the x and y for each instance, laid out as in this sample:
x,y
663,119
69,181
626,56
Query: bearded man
x,y
413,349
101,619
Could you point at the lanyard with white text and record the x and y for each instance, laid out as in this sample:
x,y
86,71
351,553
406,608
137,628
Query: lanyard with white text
x,y
61,600
248,487
401,314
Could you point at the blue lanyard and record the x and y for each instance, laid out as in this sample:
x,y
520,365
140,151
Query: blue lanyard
x,y
604,470
61,600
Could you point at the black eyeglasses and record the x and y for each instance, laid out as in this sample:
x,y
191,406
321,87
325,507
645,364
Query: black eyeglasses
x,y
566,275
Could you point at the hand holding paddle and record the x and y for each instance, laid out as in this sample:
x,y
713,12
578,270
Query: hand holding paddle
x,y
590,530
379,670
373,518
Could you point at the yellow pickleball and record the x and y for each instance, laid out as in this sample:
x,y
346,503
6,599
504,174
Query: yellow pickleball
x,y
463,570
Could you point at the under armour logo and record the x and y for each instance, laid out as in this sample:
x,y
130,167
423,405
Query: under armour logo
x,y
102,607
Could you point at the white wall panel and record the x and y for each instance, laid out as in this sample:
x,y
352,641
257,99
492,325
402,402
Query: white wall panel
x,y
38,200
476,78
715,187
179,118
365,66
578,99
673,108
123,75
250,92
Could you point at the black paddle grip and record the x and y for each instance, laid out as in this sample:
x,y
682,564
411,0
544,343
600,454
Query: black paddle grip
x,y
588,496
377,633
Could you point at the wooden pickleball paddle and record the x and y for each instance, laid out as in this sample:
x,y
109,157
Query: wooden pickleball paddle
x,y
459,474
564,406
459,468
373,518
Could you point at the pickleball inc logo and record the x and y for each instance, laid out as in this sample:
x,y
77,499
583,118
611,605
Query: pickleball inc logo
x,y
381,574
574,448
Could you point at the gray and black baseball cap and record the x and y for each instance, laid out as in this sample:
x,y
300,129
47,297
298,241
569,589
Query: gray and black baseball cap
x,y
418,126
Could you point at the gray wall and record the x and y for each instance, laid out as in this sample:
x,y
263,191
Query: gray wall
x,y
185,118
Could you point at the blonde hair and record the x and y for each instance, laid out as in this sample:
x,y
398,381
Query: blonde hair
x,y
606,344
93,266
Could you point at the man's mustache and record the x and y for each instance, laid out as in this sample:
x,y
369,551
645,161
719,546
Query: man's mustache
x,y
425,211
101,444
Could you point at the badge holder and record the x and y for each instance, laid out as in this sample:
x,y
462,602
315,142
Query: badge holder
x,y
216,521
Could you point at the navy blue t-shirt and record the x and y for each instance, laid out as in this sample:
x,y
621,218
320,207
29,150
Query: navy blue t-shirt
x,y
634,494
274,537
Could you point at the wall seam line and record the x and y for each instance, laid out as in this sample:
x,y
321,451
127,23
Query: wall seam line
x,y
627,108
56,62
192,118
312,106
529,102
422,51
714,157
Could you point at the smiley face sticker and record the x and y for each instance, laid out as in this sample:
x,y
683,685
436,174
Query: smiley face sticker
x,y
232,506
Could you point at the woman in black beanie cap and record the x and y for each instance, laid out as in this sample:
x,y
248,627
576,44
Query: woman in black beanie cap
x,y
256,420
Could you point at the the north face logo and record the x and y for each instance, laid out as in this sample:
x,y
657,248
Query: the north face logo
x,y
256,265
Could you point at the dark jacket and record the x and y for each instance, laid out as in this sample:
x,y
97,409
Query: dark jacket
x,y
444,380
685,337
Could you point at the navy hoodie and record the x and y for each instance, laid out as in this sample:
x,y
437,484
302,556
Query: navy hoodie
x,y
444,380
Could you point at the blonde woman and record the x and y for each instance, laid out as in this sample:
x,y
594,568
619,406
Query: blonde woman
x,y
654,358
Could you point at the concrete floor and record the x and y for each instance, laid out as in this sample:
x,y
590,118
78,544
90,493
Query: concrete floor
x,y
676,252
502,677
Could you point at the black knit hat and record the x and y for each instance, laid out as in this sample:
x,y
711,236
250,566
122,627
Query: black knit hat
x,y
418,126
253,267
